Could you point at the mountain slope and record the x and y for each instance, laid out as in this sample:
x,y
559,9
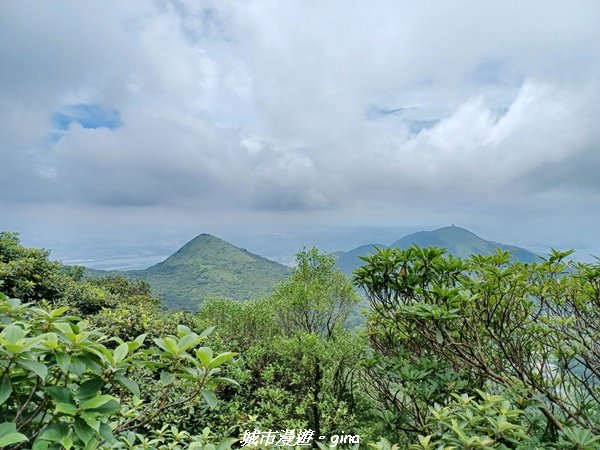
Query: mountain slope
x,y
209,267
348,261
456,240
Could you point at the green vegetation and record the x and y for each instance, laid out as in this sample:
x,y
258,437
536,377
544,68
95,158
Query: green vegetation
x,y
455,353
67,383
300,366
208,267
525,332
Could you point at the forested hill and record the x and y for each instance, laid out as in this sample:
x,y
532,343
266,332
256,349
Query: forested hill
x,y
431,367
208,267
457,241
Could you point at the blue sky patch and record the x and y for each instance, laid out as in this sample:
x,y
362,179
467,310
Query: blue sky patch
x,y
88,115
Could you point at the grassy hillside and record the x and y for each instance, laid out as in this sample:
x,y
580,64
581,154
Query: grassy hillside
x,y
208,267
456,240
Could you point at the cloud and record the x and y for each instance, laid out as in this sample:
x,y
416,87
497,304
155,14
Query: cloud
x,y
269,107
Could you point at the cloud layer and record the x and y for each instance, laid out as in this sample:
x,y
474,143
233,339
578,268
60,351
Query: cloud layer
x,y
466,108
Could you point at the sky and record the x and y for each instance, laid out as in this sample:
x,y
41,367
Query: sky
x,y
127,128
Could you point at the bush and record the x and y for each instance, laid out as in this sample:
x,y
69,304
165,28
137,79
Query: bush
x,y
64,384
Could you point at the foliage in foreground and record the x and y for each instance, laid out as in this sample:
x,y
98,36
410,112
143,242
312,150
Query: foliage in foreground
x,y
64,384
529,332
479,353
298,365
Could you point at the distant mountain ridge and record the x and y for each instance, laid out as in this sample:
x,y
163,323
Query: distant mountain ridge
x,y
457,241
207,267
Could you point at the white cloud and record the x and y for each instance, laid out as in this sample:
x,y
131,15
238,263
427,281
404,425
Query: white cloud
x,y
265,106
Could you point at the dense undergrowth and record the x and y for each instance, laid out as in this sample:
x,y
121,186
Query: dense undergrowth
x,y
478,353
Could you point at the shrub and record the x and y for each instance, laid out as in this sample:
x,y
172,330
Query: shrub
x,y
64,384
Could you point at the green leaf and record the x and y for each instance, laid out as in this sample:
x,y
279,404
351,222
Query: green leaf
x,y
92,444
106,432
189,341
59,311
67,442
183,330
13,333
55,432
91,420
96,401
89,388
64,361
11,438
128,384
7,427
167,378
224,380
51,434
424,440
207,331
210,397
108,408
15,349
40,444
226,443
120,353
60,394
168,344
204,354
66,408
77,366
5,389
83,430
89,363
63,327
220,359
35,366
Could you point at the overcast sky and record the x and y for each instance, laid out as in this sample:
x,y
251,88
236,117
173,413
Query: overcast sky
x,y
144,121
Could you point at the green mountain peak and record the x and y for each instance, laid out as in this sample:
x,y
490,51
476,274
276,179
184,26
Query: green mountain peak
x,y
209,267
457,241
204,248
